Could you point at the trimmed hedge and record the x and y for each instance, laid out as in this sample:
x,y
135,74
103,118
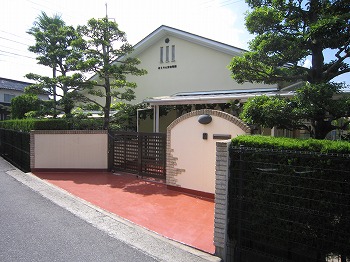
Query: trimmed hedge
x,y
289,198
283,143
26,125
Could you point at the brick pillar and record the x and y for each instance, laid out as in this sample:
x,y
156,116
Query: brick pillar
x,y
221,197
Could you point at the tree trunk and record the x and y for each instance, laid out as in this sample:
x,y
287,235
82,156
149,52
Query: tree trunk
x,y
54,93
322,128
68,104
107,106
106,119
317,58
343,258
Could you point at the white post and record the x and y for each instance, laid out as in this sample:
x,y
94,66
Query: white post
x,y
156,119
274,131
137,120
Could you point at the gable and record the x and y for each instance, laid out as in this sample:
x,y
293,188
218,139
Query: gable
x,y
187,66
165,31
181,62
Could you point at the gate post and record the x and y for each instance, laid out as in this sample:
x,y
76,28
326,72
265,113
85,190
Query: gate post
x,y
140,139
221,198
110,150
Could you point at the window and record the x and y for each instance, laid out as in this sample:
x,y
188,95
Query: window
x,y
8,98
173,53
167,54
161,54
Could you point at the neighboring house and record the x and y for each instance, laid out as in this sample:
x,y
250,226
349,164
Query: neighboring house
x,y
9,89
187,69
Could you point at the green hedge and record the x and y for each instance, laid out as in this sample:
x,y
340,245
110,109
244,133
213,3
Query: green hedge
x,y
26,125
283,143
85,124
289,198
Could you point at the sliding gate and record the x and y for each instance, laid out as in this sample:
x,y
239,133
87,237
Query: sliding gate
x,y
139,153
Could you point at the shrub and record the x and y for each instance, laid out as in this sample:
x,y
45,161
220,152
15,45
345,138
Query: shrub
x,y
26,125
283,143
289,197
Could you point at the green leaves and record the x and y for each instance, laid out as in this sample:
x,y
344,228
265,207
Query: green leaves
x,y
287,32
284,143
105,53
263,19
268,112
99,48
316,104
29,106
53,42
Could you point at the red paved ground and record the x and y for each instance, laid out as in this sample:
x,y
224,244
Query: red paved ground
x,y
184,218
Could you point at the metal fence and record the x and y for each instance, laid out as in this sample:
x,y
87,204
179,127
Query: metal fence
x,y
140,153
288,206
15,147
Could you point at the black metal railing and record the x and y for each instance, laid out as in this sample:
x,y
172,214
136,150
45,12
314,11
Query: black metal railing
x,y
15,147
140,153
288,206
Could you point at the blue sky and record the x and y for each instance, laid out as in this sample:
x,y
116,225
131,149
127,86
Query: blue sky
x,y
220,20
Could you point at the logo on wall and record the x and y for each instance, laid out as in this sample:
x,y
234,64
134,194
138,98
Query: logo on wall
x,y
167,67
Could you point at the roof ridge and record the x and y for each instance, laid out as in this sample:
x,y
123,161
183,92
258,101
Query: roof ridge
x,y
13,80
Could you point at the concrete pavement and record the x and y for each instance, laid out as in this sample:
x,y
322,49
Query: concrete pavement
x,y
149,243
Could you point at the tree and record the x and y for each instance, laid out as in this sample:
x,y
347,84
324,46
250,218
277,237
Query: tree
x,y
313,108
54,48
20,105
290,31
109,63
287,33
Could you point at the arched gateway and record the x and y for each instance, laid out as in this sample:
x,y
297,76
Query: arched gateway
x,y
191,149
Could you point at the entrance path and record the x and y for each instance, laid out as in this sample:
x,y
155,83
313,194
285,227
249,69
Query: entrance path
x,y
181,217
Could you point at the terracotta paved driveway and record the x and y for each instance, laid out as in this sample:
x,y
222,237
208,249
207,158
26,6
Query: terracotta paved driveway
x,y
181,217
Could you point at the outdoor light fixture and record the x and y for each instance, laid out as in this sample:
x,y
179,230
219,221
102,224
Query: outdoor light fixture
x,y
204,119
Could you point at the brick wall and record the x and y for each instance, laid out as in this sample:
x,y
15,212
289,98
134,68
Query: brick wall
x,y
221,194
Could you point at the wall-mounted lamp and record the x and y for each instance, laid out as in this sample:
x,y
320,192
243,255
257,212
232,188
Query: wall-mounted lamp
x,y
204,119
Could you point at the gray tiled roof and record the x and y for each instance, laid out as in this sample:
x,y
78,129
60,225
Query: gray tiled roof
x,y
12,84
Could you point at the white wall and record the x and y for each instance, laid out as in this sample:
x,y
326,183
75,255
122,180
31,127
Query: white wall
x,y
198,68
195,156
69,150
9,92
15,93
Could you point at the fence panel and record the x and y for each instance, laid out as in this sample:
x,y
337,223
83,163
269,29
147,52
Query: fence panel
x,y
289,206
15,147
140,153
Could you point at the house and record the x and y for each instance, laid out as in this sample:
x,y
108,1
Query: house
x,y
9,89
185,69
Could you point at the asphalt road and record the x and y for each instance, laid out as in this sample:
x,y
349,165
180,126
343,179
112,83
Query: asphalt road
x,y
35,229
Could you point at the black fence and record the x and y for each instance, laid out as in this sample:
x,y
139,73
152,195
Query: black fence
x,y
140,153
15,147
288,206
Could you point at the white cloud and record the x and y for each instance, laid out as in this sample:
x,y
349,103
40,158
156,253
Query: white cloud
x,y
307,63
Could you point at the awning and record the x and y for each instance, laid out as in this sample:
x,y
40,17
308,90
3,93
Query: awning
x,y
209,97
217,97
